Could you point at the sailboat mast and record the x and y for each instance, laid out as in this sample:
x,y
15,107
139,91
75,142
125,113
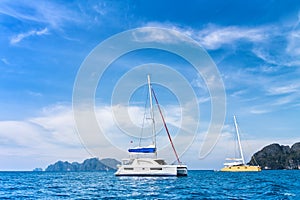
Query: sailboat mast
x,y
151,111
239,140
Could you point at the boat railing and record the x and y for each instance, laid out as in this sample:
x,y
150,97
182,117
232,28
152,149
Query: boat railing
x,y
236,159
233,163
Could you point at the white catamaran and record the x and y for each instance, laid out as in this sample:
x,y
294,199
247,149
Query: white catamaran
x,y
238,164
143,161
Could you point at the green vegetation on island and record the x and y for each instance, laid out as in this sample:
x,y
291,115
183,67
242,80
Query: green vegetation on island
x,y
92,164
275,156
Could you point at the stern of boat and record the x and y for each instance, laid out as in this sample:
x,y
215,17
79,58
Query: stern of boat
x,y
182,170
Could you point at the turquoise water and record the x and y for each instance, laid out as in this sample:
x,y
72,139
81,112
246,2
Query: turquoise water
x,y
104,185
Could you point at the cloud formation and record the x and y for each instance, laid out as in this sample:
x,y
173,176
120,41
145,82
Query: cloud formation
x,y
214,37
18,38
48,12
286,89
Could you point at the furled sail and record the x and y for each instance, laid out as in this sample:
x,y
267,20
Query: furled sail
x,y
148,149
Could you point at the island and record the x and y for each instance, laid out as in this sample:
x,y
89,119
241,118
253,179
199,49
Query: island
x,y
37,169
91,164
271,157
276,156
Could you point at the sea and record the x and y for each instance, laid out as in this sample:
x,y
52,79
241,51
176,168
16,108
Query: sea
x,y
283,184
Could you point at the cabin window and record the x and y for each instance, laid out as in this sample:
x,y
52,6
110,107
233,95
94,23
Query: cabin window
x,y
161,162
144,162
156,168
127,162
245,167
229,167
238,167
127,168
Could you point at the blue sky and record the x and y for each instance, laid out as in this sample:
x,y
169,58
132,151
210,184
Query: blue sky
x,y
255,45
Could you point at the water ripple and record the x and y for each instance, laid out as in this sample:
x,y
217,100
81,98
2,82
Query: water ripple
x,y
104,185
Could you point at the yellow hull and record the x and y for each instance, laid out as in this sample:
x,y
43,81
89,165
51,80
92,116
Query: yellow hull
x,y
241,168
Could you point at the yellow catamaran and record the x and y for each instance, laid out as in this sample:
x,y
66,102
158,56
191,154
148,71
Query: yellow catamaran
x,y
238,164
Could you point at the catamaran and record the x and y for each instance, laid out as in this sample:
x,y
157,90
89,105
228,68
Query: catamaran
x,y
238,164
143,160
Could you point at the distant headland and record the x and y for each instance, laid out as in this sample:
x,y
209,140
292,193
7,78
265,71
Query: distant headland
x,y
271,157
92,164
275,156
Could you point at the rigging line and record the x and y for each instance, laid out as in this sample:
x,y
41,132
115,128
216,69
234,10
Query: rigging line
x,y
255,160
143,124
167,130
235,146
248,146
239,140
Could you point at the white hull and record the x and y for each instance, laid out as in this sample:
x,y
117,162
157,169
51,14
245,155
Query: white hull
x,y
150,167
139,164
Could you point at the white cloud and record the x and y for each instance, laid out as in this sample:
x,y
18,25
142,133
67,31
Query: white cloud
x,y
50,13
100,8
51,137
238,93
49,130
256,110
277,98
251,145
286,89
293,43
5,61
35,94
18,38
226,147
284,100
280,57
157,35
264,55
214,37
